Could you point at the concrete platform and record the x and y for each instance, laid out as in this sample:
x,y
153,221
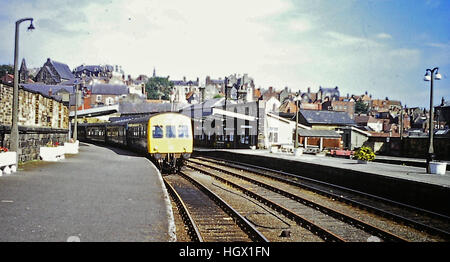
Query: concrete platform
x,y
393,170
401,183
101,194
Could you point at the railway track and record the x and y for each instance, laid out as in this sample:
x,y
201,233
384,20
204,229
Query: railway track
x,y
207,217
343,217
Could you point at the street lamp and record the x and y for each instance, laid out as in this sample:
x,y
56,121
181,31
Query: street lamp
x,y
297,108
78,86
14,143
431,75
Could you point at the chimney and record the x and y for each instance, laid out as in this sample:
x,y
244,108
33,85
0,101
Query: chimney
x,y
184,79
50,92
309,90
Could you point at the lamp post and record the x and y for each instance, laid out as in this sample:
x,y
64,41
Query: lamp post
x,y
75,122
14,143
297,108
431,75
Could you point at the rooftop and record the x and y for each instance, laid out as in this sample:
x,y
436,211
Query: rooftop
x,y
326,117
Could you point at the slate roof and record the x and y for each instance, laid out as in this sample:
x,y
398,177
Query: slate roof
x,y
62,69
108,89
94,68
44,89
217,81
184,83
142,108
205,108
326,117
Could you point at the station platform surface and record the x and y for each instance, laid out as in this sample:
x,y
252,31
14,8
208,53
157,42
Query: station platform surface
x,y
412,173
101,194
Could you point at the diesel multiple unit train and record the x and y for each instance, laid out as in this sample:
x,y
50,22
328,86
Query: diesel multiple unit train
x,y
165,137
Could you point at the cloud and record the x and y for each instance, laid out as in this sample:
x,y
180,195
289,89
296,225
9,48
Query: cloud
x,y
439,45
384,36
278,43
340,39
300,25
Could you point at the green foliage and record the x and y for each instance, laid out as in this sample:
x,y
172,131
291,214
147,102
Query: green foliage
x,y
364,153
6,68
361,107
218,96
158,87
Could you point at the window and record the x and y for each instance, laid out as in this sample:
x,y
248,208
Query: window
x,y
157,131
170,132
183,131
109,101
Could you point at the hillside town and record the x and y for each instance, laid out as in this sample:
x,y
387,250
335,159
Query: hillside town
x,y
328,117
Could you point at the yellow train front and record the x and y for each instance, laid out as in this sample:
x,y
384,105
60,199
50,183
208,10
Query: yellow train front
x,y
169,140
166,137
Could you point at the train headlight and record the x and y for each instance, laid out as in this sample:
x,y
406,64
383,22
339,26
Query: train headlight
x,y
157,156
186,155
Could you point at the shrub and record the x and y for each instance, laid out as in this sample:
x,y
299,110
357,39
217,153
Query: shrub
x,y
364,153
52,144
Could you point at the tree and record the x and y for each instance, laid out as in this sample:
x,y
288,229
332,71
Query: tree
x,y
6,69
361,107
158,87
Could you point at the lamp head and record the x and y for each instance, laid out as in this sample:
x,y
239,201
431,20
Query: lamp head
x,y
438,76
31,27
427,77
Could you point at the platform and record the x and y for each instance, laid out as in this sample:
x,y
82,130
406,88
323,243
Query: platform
x,y
407,184
100,195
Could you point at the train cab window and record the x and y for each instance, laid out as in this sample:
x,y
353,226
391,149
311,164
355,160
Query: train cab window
x,y
170,132
157,131
183,131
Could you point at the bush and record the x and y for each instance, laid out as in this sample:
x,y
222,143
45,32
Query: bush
x,y
364,153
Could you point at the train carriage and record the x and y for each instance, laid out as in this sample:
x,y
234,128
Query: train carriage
x,y
166,137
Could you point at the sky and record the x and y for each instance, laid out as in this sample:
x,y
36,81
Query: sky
x,y
382,46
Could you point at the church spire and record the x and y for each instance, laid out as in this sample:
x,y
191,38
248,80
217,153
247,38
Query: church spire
x,y
23,72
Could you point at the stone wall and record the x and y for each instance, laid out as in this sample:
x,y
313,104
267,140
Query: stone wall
x,y
41,119
35,110
31,139
416,147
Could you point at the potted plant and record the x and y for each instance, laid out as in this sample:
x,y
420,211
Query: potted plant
x,y
364,154
437,167
8,162
71,147
51,152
